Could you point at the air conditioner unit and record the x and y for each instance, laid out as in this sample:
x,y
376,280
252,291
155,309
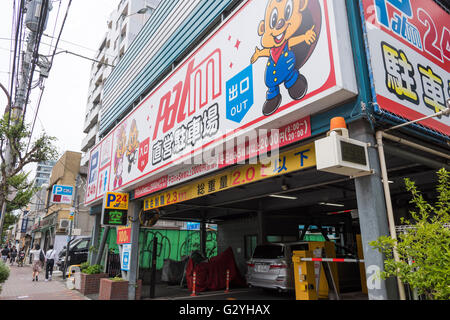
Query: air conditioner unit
x,y
64,223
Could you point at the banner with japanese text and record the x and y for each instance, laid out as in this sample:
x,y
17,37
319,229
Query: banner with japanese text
x,y
294,160
409,48
270,65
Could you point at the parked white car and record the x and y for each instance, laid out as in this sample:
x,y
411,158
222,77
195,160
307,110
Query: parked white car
x,y
271,266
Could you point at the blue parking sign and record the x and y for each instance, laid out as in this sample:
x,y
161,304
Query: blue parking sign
x,y
240,95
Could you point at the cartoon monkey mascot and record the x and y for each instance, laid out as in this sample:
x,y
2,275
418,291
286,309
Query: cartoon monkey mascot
x,y
289,35
118,156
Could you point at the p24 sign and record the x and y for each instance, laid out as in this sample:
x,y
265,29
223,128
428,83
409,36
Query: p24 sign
x,y
115,200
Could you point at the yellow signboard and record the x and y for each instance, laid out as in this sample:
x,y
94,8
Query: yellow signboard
x,y
115,200
290,161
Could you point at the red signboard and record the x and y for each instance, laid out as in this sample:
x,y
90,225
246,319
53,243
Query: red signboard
x,y
143,154
124,235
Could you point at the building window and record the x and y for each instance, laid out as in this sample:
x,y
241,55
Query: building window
x,y
250,244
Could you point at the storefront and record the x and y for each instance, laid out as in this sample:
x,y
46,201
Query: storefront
x,y
229,136
44,232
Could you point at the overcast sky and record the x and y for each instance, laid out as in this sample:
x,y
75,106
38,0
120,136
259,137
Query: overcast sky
x,y
63,105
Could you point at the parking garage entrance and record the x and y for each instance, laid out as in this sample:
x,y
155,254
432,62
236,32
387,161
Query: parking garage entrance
x,y
287,201
284,201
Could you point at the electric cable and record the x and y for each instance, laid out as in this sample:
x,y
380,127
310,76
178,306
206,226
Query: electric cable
x,y
54,28
18,25
59,35
13,27
42,18
84,57
48,70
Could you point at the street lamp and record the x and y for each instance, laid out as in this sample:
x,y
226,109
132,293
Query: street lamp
x,y
140,11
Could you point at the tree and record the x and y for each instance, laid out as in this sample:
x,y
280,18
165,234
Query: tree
x,y
424,247
17,135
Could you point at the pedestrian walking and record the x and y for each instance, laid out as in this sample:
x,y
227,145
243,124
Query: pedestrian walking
x,y
38,261
21,258
50,257
12,255
5,254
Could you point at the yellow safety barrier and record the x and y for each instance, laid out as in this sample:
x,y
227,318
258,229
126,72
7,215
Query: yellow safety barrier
x,y
362,268
311,274
70,268
305,282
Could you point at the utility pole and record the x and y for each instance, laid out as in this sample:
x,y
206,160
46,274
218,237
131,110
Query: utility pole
x,y
3,208
75,209
36,21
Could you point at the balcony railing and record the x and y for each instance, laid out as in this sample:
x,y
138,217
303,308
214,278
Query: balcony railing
x,y
89,140
91,118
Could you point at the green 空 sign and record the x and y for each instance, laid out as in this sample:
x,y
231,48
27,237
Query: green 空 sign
x,y
115,217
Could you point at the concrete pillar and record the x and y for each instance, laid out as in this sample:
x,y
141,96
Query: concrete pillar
x,y
372,217
203,237
95,237
133,212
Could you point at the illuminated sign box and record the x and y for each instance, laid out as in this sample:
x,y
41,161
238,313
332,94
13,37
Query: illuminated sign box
x,y
115,209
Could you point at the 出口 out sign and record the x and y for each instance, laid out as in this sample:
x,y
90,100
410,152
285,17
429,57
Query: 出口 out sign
x,y
409,48
269,65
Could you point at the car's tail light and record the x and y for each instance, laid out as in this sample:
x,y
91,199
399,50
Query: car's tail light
x,y
278,266
250,265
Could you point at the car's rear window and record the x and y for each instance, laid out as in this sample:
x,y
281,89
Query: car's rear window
x,y
268,252
299,247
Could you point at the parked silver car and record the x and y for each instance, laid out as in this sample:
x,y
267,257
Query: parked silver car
x,y
271,266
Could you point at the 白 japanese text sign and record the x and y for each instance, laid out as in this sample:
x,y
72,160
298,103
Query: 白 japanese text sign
x,y
245,77
290,161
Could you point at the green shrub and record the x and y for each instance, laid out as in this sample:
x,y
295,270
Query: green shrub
x,y
424,248
117,278
94,269
4,272
84,266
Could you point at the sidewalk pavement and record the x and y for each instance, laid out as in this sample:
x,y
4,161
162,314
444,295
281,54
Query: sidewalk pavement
x,y
20,286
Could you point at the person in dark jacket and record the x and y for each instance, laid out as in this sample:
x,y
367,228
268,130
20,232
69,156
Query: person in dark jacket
x,y
12,255
5,254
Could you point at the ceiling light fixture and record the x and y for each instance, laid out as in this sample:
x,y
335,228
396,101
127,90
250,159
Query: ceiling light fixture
x,y
331,204
283,197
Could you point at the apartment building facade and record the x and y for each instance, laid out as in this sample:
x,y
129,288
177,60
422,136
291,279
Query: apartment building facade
x,y
123,26
43,171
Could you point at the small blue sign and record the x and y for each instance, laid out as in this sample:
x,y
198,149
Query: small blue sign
x,y
240,95
126,251
192,226
62,190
